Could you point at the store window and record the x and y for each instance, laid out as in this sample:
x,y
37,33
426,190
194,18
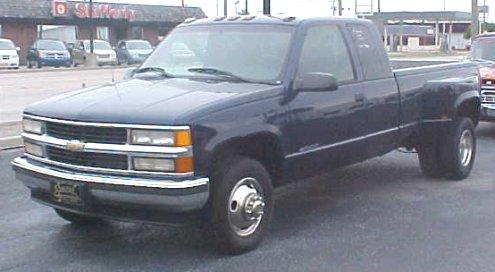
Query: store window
x,y
102,33
65,33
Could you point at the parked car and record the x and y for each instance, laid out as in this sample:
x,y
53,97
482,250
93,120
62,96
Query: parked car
x,y
9,57
48,53
133,51
268,101
483,51
105,55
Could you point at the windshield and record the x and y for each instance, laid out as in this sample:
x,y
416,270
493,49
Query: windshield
x,y
98,45
51,45
483,49
252,52
7,45
132,45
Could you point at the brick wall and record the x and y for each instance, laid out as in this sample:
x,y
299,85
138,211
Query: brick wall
x,y
22,34
151,34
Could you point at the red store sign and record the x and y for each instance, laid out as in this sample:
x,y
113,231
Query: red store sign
x,y
104,11
60,8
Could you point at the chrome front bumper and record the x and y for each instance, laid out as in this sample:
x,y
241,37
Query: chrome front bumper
x,y
176,195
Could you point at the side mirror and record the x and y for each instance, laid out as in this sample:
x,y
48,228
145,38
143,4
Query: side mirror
x,y
129,73
316,82
18,49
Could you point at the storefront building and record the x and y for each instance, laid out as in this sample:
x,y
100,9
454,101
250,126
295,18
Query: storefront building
x,y
24,21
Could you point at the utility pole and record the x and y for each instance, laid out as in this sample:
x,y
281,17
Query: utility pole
x,y
379,6
266,7
225,8
475,19
483,26
339,6
91,32
246,12
183,4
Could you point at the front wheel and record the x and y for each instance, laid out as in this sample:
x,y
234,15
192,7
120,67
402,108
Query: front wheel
x,y
241,205
75,218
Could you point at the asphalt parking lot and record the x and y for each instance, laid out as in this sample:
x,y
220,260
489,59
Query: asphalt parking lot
x,y
381,215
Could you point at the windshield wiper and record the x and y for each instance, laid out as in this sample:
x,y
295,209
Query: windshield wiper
x,y
156,70
217,72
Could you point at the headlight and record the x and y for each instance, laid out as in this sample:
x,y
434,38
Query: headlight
x,y
32,126
14,57
177,165
33,149
154,164
162,138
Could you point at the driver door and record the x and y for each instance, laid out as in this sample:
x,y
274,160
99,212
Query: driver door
x,y
326,127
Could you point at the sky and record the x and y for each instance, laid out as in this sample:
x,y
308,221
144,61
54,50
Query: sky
x,y
306,8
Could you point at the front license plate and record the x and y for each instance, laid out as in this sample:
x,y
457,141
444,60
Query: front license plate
x,y
68,193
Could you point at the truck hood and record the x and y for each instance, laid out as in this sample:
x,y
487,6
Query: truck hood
x,y
102,51
138,101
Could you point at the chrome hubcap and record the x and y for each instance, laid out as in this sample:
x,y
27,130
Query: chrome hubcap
x,y
246,207
466,147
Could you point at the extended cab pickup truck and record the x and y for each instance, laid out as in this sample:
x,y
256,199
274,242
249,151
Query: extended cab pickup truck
x,y
256,102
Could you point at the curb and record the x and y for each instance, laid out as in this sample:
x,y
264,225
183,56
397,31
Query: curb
x,y
71,69
10,142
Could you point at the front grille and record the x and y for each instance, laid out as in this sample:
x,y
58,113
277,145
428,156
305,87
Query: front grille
x,y
488,96
5,57
87,134
88,159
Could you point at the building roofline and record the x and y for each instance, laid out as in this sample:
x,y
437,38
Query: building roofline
x,y
421,15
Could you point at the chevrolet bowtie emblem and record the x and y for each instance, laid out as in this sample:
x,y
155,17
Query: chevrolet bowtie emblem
x,y
75,146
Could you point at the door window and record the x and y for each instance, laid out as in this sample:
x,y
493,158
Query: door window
x,y
373,60
325,51
102,33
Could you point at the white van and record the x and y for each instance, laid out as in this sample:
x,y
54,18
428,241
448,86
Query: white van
x,y
9,57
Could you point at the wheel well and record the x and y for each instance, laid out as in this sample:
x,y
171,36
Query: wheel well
x,y
264,148
470,109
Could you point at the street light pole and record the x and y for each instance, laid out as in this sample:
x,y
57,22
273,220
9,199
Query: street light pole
x,y
246,12
91,31
339,6
225,8
474,18
379,6
266,7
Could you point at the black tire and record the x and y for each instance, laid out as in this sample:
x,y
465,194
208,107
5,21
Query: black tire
x,y
39,65
77,219
430,160
452,158
226,178
440,157
29,64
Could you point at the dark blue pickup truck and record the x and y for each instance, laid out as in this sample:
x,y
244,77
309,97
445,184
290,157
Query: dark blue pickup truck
x,y
226,109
